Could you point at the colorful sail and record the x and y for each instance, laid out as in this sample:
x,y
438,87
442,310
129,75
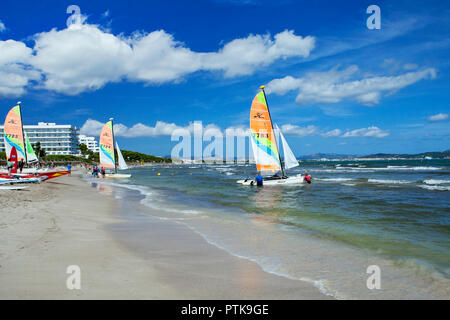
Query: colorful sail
x,y
31,155
13,133
264,146
107,159
122,163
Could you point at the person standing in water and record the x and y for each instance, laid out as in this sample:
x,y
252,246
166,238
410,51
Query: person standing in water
x,y
259,179
307,177
95,171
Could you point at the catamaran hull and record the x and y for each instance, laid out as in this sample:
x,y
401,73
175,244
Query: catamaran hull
x,y
117,175
34,170
295,180
42,176
14,181
12,188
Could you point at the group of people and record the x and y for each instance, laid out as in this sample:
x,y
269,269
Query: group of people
x,y
21,164
259,178
10,165
96,171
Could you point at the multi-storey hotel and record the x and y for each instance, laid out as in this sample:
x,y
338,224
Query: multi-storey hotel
x,y
90,142
54,138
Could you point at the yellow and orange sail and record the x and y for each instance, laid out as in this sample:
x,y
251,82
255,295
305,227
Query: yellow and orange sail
x,y
262,137
107,158
13,133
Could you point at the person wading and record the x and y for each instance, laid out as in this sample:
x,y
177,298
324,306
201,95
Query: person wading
x,y
307,177
259,179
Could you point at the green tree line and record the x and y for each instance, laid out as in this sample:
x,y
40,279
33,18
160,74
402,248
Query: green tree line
x,y
88,156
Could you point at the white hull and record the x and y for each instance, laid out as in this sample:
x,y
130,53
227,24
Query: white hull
x,y
295,180
19,180
117,175
12,188
34,170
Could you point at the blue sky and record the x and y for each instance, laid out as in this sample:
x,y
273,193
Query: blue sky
x,y
333,85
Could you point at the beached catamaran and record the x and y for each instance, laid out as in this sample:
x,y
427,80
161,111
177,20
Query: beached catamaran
x,y
265,149
18,146
107,156
15,136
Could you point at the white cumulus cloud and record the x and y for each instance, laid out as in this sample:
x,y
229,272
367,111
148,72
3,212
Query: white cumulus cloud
x,y
294,130
243,56
336,85
85,57
373,132
332,133
438,117
93,128
15,71
79,58
2,26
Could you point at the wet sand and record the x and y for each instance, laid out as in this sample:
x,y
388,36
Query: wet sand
x,y
122,252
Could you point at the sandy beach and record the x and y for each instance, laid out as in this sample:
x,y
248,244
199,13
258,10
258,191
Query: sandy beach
x,y
50,226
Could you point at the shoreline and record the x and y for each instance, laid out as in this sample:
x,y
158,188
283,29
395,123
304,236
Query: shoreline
x,y
66,226
335,267
48,227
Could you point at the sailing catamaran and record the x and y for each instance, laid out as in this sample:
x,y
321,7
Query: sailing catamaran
x,y
265,149
107,156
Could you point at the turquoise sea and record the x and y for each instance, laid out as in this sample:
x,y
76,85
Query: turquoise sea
x,y
393,214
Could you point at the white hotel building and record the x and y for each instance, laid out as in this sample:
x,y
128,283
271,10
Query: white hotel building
x,y
90,142
54,138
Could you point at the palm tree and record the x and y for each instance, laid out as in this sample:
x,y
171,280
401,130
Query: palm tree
x,y
40,153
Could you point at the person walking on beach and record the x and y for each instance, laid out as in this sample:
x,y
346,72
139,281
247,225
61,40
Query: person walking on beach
x,y
103,172
9,165
69,168
20,165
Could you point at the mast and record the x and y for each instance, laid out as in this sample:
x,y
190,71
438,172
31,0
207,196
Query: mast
x,y
114,148
19,103
271,123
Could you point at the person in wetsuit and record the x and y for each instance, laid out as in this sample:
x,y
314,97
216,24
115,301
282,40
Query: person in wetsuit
x,y
307,177
259,179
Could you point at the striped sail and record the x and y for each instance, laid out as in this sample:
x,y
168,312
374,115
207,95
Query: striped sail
x,y
31,155
107,159
262,137
13,134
